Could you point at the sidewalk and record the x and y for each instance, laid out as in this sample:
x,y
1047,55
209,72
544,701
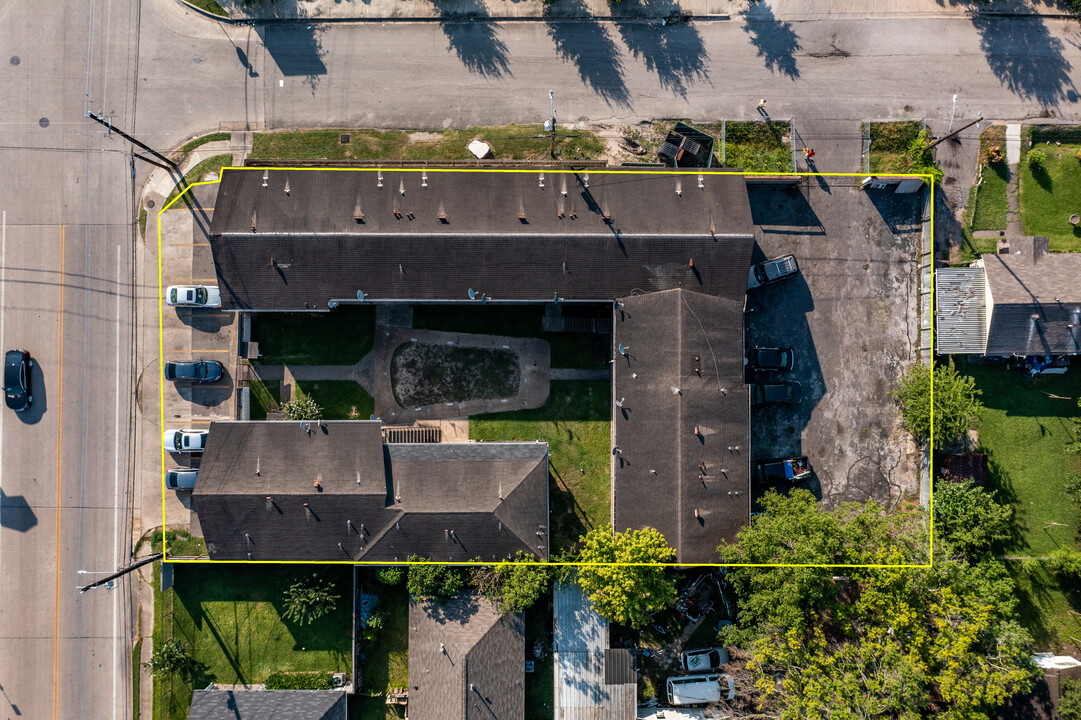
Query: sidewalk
x,y
786,10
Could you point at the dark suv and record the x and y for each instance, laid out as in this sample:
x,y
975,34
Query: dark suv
x,y
198,371
17,364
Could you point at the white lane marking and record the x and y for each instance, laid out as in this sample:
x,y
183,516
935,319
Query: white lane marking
x,y
116,495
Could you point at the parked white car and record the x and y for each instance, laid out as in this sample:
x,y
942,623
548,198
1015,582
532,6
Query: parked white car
x,y
184,441
193,296
180,479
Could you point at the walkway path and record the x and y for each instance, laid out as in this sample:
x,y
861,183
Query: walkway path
x,y
579,374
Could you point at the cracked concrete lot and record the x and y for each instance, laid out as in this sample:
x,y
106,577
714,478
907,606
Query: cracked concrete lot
x,y
851,318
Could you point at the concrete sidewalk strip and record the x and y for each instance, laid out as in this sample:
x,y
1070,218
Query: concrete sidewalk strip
x,y
1013,144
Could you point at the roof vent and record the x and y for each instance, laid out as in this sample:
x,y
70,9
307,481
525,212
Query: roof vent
x,y
442,648
358,214
253,221
443,213
286,185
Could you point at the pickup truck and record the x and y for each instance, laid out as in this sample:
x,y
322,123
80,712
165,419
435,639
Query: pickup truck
x,y
791,470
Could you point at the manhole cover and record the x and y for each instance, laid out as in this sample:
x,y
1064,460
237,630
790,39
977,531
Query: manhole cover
x,y
44,122
344,138
150,204
197,60
15,60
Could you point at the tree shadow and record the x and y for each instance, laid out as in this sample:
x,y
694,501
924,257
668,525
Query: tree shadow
x,y
16,513
297,50
676,53
566,514
1025,57
476,44
774,40
588,44
1043,178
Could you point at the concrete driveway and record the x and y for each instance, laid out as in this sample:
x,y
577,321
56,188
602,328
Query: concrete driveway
x,y
851,319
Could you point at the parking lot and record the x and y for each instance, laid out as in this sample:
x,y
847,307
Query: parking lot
x,y
193,334
851,318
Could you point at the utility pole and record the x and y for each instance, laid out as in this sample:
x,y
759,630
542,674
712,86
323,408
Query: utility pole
x,y
119,573
958,130
108,124
552,97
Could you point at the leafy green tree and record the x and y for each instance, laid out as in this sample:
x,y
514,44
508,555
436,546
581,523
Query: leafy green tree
x,y
512,586
308,600
1037,159
1069,706
170,657
968,518
437,582
887,642
390,575
956,403
626,593
302,407
1065,562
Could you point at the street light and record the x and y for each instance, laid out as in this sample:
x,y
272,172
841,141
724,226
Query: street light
x,y
552,122
954,110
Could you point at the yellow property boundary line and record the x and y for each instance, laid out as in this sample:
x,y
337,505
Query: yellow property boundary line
x,y
161,355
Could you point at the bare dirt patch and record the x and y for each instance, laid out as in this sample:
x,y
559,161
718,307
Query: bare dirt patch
x,y
426,374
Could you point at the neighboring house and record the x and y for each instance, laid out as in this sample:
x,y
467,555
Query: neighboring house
x,y
1024,303
268,705
465,661
670,250
592,680
335,491
1042,702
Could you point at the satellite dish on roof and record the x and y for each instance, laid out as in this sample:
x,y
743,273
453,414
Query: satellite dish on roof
x,y
622,350
373,417
472,294
360,294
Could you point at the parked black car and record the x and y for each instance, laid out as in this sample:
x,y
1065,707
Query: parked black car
x,y
789,470
770,358
17,364
197,371
788,392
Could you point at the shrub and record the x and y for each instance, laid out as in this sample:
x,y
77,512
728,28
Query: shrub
x,y
309,600
994,155
390,575
1078,154
171,657
303,407
438,582
300,681
1037,159
1065,562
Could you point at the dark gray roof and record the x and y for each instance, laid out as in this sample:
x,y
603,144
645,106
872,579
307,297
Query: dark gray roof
x,y
480,674
447,501
1037,300
619,667
308,249
657,481
268,705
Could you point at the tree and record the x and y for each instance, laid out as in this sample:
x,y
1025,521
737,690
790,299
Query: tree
x,y
890,642
512,586
438,582
308,600
170,657
390,575
621,592
1069,706
302,407
956,404
968,518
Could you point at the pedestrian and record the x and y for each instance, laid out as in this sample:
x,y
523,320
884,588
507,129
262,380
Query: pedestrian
x,y
762,104
808,153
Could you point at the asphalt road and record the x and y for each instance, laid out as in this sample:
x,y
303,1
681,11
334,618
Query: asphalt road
x,y
65,296
431,75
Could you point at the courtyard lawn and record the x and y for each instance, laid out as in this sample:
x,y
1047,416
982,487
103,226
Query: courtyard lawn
x,y
1048,197
569,350
576,423
264,397
1049,608
754,146
386,659
340,337
212,164
515,142
340,399
1024,431
890,143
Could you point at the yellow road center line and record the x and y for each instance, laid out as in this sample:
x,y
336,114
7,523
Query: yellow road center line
x,y
59,447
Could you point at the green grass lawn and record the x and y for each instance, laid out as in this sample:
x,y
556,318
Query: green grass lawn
x,y
507,142
990,211
212,137
386,660
212,164
569,350
231,615
210,6
576,423
264,397
340,337
539,684
1048,608
340,399
1049,197
890,142
1024,431
754,146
